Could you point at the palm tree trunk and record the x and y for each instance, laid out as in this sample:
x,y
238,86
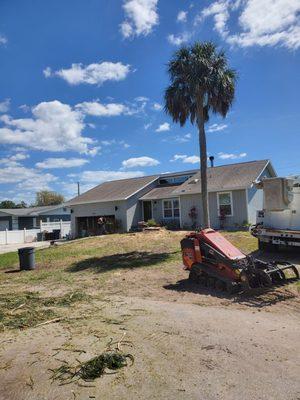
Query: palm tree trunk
x,y
203,166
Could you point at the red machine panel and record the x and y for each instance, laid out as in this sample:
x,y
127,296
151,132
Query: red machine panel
x,y
218,242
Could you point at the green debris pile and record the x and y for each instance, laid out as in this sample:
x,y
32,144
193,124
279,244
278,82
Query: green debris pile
x,y
27,309
91,369
111,359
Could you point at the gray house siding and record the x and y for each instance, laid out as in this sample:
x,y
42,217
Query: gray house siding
x,y
135,207
188,202
101,209
239,206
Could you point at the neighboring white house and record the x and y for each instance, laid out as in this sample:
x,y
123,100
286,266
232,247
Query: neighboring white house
x,y
30,217
173,199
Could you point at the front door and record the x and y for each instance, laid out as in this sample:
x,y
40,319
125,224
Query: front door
x,y
147,206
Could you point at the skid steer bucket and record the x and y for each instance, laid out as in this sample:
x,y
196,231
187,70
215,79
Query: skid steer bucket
x,y
263,273
281,272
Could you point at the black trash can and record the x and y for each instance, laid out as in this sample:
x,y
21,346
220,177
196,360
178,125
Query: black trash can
x,y
26,258
40,236
56,234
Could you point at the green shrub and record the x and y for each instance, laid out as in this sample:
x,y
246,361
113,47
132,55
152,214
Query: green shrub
x,y
151,223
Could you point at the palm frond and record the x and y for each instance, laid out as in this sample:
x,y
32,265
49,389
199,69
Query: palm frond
x,y
199,72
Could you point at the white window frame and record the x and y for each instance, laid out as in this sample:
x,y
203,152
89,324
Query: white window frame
x,y
231,203
172,202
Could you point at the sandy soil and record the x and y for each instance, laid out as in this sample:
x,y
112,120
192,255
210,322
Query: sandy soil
x,y
188,343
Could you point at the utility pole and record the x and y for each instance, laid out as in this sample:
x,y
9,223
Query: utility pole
x,y
78,188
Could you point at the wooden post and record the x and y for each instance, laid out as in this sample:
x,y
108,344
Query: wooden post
x,y
24,235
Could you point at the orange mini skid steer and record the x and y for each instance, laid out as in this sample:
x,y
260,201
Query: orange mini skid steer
x,y
214,262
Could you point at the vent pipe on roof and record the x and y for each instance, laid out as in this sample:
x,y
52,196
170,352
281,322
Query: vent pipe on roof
x,y
211,159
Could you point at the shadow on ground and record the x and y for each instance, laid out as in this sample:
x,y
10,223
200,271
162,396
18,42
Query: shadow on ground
x,y
257,298
291,255
134,259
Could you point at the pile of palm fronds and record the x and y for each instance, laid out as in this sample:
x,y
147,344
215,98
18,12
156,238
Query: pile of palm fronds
x,y
91,369
27,309
95,367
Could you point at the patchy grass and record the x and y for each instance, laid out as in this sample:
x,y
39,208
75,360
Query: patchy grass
x,y
26,309
242,240
105,255
94,265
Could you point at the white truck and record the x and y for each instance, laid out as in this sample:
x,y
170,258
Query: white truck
x,y
278,224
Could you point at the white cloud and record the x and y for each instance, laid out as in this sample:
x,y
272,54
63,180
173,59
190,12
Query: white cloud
x,y
93,151
261,22
25,178
157,107
93,74
182,16
178,138
47,72
54,126
140,162
163,127
98,109
141,99
147,126
3,39
140,17
183,139
178,40
4,106
231,156
216,127
111,142
51,163
13,160
186,159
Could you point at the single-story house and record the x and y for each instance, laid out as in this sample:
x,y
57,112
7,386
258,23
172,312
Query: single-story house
x,y
173,199
30,217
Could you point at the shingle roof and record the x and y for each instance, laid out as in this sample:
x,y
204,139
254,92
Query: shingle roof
x,y
29,211
225,177
160,193
113,190
232,176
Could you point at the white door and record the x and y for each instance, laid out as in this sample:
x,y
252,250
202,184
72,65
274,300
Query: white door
x,y
4,224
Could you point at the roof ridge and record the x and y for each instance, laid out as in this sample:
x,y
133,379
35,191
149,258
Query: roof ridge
x,y
239,163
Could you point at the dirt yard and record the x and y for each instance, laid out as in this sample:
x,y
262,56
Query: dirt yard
x,y
187,342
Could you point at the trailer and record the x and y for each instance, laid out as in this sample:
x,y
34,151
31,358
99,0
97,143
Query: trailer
x,y
278,224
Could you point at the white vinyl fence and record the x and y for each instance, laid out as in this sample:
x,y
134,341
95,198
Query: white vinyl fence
x,y
30,235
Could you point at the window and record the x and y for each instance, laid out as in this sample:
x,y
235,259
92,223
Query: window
x,y
225,204
175,180
171,208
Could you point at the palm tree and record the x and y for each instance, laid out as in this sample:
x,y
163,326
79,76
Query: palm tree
x,y
201,83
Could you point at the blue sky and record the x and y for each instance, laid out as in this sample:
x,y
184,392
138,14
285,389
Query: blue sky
x,y
82,86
